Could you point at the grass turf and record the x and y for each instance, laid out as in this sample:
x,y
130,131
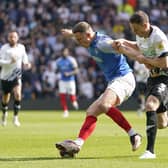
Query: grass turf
x,y
33,144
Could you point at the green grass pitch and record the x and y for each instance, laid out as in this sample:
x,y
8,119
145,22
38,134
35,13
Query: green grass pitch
x,y
33,144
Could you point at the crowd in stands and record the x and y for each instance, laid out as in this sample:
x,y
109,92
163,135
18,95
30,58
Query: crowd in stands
x,y
39,23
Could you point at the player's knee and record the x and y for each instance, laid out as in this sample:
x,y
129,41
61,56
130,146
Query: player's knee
x,y
151,106
162,125
162,121
104,106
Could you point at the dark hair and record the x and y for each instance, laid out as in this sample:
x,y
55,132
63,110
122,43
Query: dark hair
x,y
139,17
13,31
81,27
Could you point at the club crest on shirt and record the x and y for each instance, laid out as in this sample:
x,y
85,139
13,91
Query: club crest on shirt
x,y
160,45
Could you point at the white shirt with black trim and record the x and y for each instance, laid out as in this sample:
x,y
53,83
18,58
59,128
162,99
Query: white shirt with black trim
x,y
11,70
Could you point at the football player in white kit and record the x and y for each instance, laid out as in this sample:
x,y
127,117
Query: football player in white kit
x,y
12,57
151,49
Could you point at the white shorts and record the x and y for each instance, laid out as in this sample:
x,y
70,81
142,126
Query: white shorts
x,y
123,86
68,87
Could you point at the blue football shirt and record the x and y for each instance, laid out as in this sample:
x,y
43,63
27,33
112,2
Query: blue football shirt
x,y
66,64
111,63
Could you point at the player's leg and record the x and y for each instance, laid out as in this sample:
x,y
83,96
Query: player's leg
x,y
6,89
162,118
104,105
121,89
5,101
17,91
62,94
154,104
85,131
72,93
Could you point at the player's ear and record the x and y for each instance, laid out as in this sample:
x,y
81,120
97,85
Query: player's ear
x,y
88,36
145,25
17,36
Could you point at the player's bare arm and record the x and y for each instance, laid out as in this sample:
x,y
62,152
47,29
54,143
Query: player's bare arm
x,y
158,62
148,66
149,62
131,53
67,33
128,43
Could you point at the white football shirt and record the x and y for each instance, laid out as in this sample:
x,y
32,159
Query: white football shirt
x,y
154,46
10,70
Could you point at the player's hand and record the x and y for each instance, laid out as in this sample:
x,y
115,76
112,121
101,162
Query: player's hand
x,y
67,32
66,74
117,44
27,66
13,59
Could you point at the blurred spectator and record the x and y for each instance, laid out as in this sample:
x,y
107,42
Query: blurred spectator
x,y
39,22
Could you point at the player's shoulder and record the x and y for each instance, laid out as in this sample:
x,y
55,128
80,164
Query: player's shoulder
x,y
157,32
72,60
21,45
70,57
103,38
4,46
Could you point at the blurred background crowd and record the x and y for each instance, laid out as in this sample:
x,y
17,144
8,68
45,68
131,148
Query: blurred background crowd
x,y
39,22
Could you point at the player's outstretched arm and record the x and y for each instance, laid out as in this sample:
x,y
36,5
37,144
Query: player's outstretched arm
x,y
128,43
158,62
131,53
67,33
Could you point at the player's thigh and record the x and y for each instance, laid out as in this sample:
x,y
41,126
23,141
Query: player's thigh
x,y
62,87
6,89
162,120
103,103
71,87
93,109
123,87
6,97
17,89
152,103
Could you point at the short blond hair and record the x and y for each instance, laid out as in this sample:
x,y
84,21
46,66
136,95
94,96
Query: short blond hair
x,y
81,27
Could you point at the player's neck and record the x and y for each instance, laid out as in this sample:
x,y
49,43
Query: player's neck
x,y
149,32
13,45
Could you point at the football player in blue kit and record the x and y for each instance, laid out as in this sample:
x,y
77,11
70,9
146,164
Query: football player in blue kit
x,y
121,84
67,66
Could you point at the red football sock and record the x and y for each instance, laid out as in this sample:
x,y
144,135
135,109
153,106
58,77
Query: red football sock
x,y
73,98
63,101
87,127
118,118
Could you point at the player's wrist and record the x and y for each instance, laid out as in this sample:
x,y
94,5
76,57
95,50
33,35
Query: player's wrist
x,y
141,58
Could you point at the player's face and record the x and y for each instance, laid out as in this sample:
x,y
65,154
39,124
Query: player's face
x,y
83,39
13,38
140,30
65,52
